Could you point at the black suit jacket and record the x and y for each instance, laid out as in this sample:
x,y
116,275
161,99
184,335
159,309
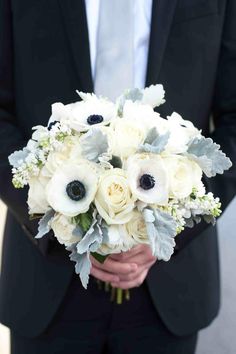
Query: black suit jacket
x,y
44,58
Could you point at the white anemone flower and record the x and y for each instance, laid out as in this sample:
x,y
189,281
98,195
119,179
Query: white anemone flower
x,y
87,114
181,133
72,188
59,112
148,179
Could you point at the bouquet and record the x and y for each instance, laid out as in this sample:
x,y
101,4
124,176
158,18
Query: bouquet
x,y
107,176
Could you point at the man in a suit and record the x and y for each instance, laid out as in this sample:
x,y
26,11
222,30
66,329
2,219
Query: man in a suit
x,y
50,48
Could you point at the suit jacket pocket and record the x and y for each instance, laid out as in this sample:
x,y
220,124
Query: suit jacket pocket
x,y
190,9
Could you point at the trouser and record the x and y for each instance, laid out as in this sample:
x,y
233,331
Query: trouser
x,y
88,322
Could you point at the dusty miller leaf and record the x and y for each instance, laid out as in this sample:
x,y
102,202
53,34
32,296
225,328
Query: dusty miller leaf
x,y
94,144
44,224
154,142
132,94
208,156
161,230
93,237
82,266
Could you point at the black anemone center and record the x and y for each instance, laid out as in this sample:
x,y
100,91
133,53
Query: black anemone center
x,y
52,124
116,162
94,119
147,182
75,190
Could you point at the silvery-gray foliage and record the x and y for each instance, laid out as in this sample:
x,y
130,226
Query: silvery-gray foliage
x,y
94,144
93,237
208,156
154,142
18,157
132,94
83,264
78,231
161,230
44,223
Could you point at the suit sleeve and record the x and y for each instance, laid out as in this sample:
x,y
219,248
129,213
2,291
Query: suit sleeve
x,y
11,136
224,117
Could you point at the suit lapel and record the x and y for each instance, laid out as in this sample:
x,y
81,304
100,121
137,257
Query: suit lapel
x,y
75,23
162,15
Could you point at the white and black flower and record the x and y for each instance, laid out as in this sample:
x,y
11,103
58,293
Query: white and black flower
x,y
92,112
148,179
72,188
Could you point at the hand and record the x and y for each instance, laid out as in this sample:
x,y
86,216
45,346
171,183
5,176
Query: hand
x,y
140,255
112,270
125,270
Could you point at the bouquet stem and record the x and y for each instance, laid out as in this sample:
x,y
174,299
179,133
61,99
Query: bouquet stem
x,y
117,294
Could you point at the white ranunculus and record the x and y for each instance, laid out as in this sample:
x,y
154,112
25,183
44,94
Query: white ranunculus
x,y
114,200
37,200
154,95
148,178
82,114
184,175
181,133
72,188
63,230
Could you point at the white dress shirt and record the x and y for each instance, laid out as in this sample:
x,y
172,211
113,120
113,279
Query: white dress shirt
x,y
142,23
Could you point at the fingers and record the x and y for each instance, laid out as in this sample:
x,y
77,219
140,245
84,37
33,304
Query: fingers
x,y
140,254
104,276
132,283
142,258
126,255
112,266
135,275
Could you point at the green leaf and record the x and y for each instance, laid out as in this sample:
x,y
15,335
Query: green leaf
x,y
100,258
35,216
83,220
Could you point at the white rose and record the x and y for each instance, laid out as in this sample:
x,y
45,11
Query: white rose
x,y
136,228
63,230
121,238
142,115
184,175
148,178
117,240
181,133
128,136
70,150
72,188
114,200
37,200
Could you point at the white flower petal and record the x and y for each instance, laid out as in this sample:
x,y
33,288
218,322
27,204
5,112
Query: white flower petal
x,y
56,189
